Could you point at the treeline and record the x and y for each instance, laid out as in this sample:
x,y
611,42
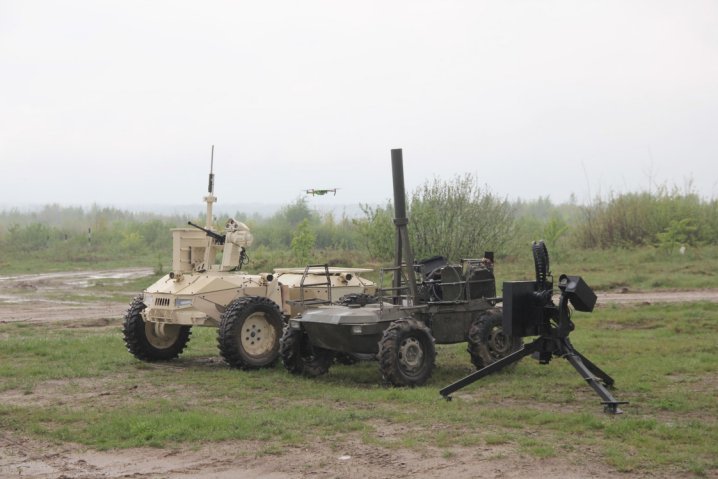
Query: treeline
x,y
457,218
63,235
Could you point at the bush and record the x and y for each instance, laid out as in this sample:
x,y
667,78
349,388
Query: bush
x,y
456,219
636,219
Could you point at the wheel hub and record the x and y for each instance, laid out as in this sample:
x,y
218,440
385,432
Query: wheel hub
x,y
258,336
161,335
499,343
411,354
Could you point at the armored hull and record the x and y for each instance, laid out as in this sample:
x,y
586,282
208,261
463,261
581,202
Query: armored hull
x,y
200,299
358,330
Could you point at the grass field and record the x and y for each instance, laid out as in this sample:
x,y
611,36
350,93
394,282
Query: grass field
x,y
640,269
76,382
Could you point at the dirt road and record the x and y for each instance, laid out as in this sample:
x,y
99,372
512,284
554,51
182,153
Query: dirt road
x,y
41,297
242,460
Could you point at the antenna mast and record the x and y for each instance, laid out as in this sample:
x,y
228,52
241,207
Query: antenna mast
x,y
210,198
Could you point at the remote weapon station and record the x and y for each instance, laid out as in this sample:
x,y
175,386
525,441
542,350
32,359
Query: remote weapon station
x,y
428,302
529,310
249,309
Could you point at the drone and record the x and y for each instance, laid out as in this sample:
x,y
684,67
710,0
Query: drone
x,y
316,192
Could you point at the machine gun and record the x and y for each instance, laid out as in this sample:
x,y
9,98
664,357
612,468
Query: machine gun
x,y
529,310
215,236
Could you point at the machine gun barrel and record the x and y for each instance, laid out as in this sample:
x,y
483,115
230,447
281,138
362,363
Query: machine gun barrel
x,y
215,236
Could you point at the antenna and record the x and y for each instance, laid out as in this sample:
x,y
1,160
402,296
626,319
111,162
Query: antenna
x,y
210,188
210,198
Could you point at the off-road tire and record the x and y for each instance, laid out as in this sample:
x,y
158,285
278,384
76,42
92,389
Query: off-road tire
x,y
300,357
249,332
487,341
152,341
406,353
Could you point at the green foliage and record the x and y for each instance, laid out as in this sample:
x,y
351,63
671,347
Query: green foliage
x,y
377,231
456,219
57,236
540,219
633,219
678,232
33,237
303,241
554,230
278,231
131,241
297,213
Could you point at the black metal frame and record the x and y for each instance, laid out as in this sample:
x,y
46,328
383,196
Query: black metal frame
x,y
303,285
553,341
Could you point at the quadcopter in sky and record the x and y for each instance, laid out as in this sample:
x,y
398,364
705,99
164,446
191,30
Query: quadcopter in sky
x,y
317,192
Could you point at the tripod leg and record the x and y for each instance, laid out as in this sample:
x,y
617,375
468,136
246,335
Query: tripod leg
x,y
610,404
607,380
491,368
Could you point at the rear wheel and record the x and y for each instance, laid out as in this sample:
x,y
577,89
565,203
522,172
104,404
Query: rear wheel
x,y
249,332
299,356
487,340
406,353
150,341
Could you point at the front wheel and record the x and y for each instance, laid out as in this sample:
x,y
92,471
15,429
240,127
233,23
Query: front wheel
x,y
406,353
487,340
249,332
150,341
300,357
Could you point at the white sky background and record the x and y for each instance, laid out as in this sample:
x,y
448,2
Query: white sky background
x,y
118,102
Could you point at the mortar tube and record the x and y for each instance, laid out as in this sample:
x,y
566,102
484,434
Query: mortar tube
x,y
403,247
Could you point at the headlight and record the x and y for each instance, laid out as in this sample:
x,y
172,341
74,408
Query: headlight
x,y
295,324
147,299
356,329
183,302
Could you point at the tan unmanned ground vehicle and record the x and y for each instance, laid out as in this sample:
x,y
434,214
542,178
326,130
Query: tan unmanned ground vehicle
x,y
249,309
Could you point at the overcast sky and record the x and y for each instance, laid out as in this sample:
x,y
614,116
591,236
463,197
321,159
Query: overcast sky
x,y
119,102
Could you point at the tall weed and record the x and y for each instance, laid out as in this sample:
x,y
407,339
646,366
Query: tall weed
x,y
664,218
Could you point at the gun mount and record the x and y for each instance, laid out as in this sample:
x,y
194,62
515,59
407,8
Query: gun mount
x,y
218,238
529,310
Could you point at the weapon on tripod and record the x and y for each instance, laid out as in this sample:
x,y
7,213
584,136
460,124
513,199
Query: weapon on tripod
x,y
529,310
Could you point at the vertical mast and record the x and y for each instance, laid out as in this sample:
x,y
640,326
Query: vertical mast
x,y
210,198
403,248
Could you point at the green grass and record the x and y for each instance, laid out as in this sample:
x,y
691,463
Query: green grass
x,y
33,263
638,269
79,384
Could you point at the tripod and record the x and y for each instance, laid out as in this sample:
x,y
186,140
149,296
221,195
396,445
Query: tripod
x,y
552,341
